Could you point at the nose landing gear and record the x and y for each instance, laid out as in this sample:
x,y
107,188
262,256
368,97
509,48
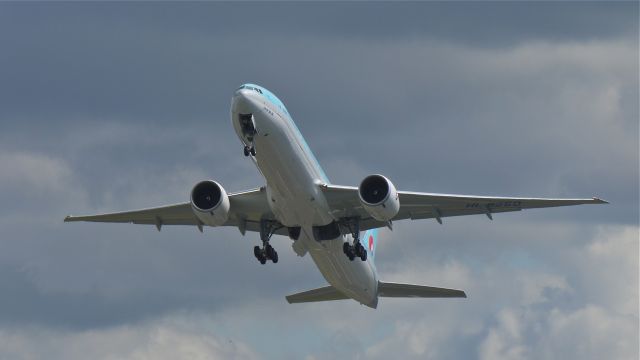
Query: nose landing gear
x,y
248,126
250,150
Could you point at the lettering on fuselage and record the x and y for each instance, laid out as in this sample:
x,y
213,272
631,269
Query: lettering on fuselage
x,y
265,108
494,205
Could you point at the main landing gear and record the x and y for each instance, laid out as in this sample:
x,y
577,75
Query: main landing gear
x,y
267,252
355,250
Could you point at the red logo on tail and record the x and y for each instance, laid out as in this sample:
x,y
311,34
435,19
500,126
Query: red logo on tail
x,y
371,242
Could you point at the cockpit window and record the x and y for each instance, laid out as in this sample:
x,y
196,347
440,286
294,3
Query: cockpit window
x,y
267,94
250,88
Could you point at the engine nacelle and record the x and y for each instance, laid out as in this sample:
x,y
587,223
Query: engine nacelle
x,y
379,197
210,203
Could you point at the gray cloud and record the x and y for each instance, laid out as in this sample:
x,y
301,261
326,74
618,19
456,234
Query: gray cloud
x,y
115,106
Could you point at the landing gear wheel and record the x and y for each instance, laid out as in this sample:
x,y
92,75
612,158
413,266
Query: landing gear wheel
x,y
361,252
270,251
247,150
352,224
267,252
346,248
253,151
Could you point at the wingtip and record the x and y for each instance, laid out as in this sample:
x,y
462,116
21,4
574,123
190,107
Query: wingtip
x,y
599,201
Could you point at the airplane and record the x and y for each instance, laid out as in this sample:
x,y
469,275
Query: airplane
x,y
323,219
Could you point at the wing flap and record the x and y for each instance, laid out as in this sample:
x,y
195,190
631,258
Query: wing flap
x,y
386,289
327,293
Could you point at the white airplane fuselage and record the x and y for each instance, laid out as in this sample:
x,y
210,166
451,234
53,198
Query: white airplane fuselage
x,y
293,178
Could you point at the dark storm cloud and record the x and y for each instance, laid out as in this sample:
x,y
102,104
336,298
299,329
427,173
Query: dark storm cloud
x,y
170,62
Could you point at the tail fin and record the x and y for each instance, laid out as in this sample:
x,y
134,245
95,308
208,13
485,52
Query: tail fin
x,y
409,290
370,242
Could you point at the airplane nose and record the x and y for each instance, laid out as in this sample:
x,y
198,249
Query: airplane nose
x,y
241,93
242,101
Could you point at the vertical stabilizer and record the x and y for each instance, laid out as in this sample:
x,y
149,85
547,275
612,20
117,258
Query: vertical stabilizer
x,y
370,242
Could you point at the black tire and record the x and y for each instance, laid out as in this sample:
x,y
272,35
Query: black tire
x,y
263,260
257,252
275,257
346,248
270,251
363,257
351,256
253,151
246,151
359,249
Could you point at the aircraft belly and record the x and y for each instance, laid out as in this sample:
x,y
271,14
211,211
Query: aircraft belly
x,y
295,197
296,200
354,278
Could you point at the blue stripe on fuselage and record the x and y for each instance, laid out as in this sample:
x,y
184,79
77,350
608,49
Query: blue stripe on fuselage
x,y
273,99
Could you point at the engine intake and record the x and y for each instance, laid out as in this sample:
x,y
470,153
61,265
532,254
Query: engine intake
x,y
210,203
379,197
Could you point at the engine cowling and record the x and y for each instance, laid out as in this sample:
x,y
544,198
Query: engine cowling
x,y
210,203
379,197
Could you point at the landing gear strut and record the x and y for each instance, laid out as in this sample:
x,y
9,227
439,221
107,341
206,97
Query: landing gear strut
x,y
267,252
249,130
355,250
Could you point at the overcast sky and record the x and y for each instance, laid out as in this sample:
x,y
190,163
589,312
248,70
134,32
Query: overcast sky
x,y
114,106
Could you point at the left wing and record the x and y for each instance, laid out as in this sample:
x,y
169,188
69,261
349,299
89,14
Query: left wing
x,y
246,210
344,202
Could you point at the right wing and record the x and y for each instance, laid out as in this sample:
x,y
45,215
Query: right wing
x,y
246,210
344,202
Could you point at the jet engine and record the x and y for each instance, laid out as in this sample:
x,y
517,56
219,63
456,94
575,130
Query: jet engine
x,y
379,197
210,203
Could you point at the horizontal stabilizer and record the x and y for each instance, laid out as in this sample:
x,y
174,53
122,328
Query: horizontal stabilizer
x,y
416,291
327,293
